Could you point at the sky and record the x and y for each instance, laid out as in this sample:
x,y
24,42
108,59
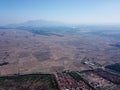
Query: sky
x,y
67,11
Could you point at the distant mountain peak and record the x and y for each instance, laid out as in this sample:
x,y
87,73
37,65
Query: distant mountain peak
x,y
37,23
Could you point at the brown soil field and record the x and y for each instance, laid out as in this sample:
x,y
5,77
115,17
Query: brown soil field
x,y
27,53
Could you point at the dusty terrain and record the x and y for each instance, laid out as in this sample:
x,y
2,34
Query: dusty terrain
x,y
23,52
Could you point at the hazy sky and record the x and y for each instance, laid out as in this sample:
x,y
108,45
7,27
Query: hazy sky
x,y
71,11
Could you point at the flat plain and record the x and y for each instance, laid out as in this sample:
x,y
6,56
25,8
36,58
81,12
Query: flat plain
x,y
26,51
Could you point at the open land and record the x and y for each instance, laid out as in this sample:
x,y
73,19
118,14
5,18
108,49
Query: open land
x,y
71,56
27,51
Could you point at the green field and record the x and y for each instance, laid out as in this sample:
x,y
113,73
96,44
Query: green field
x,y
29,82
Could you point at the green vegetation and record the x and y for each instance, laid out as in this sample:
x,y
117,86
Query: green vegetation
x,y
75,76
78,78
115,67
28,82
4,63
